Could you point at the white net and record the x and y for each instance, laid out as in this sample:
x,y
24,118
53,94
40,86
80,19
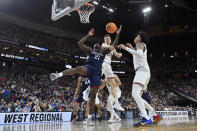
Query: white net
x,y
85,11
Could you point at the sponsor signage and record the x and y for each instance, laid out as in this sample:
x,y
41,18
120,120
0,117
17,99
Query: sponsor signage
x,y
14,57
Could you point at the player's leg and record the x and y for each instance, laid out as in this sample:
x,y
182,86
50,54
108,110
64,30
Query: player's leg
x,y
87,110
117,104
82,70
99,110
110,78
93,92
136,93
156,117
79,100
98,105
85,122
91,105
112,82
110,102
75,117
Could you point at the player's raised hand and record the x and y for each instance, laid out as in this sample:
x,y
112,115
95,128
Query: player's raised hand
x,y
91,32
121,46
119,30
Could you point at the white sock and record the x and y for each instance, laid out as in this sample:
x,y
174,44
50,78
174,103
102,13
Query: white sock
x,y
136,90
110,102
89,116
60,74
148,107
114,113
116,100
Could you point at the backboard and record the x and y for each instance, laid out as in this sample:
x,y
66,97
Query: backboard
x,y
59,10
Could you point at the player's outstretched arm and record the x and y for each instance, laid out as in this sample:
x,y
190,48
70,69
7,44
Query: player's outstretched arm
x,y
82,45
77,89
130,46
115,43
138,52
118,55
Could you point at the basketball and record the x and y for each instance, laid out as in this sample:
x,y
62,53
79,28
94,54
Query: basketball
x,y
111,27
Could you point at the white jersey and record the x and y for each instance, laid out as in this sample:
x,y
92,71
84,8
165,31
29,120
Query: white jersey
x,y
140,61
108,57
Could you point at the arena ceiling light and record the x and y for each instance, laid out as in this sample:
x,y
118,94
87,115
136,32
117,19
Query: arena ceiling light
x,y
95,2
110,10
146,10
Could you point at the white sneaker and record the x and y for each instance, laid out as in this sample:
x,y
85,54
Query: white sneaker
x,y
53,76
118,119
112,121
118,107
90,122
85,122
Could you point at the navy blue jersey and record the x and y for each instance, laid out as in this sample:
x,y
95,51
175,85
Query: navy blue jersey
x,y
85,83
95,59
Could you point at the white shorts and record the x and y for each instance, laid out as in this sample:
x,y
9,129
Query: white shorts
x,y
143,78
97,101
107,70
86,96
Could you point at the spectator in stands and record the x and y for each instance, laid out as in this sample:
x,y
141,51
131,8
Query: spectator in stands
x,y
27,108
19,109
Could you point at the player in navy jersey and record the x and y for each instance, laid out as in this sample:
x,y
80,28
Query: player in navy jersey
x,y
82,84
92,69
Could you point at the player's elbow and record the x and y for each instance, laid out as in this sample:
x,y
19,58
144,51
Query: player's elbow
x,y
119,84
119,56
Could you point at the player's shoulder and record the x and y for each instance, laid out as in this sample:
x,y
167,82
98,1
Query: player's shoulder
x,y
141,46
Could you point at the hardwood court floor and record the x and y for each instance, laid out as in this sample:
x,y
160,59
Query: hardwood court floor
x,y
181,124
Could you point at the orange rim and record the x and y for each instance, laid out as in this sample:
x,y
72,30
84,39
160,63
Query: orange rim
x,y
78,9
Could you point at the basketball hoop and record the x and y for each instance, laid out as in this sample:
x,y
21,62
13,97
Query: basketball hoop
x,y
85,11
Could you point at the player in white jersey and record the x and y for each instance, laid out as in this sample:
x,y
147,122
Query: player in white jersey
x,y
110,102
106,67
142,77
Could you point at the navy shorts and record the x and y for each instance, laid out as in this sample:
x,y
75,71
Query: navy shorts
x,y
80,98
94,74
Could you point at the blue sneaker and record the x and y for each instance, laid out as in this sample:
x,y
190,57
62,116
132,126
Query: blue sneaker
x,y
144,122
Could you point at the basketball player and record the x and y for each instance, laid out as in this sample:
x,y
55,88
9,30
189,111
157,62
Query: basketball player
x,y
142,77
107,69
82,84
92,69
97,103
110,102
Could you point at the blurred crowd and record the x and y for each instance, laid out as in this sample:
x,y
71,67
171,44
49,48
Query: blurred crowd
x,y
28,89
22,35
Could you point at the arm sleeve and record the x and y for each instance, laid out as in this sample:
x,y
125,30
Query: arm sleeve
x,y
138,52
